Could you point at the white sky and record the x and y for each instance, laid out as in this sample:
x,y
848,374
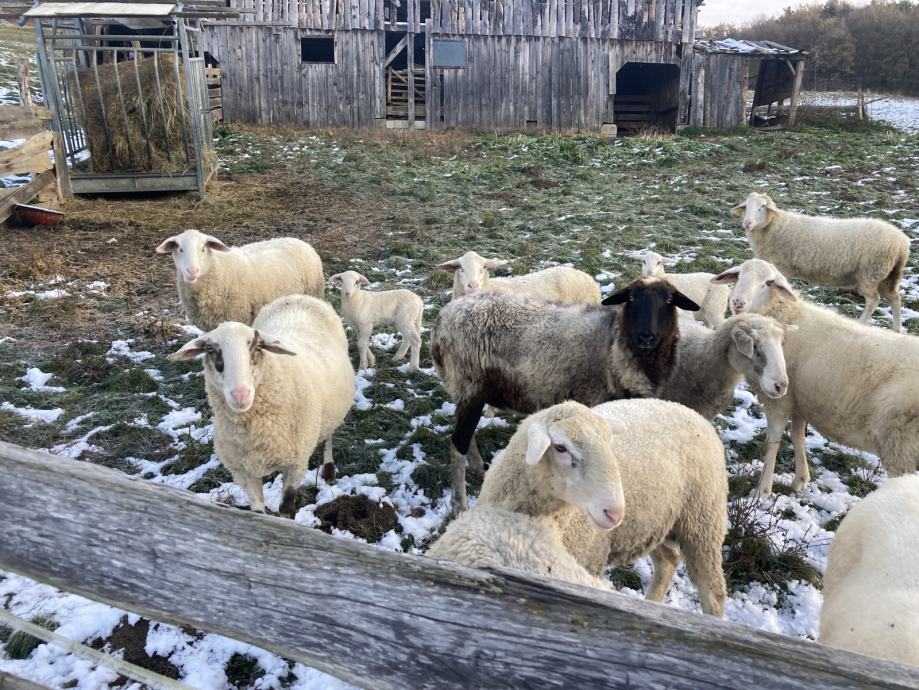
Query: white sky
x,y
743,11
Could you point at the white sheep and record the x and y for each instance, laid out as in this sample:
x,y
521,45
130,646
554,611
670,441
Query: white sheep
x,y
578,474
672,501
871,587
559,283
710,363
276,389
217,283
713,299
855,384
865,254
364,310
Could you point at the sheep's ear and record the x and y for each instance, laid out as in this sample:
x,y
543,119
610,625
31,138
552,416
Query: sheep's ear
x,y
781,284
264,341
453,265
729,276
215,244
538,442
743,341
167,246
619,297
361,280
683,302
770,204
616,426
740,209
336,279
495,263
189,350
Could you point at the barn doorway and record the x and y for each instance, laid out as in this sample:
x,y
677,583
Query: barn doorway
x,y
647,97
400,88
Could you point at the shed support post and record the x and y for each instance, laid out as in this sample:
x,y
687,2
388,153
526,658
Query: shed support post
x,y
796,89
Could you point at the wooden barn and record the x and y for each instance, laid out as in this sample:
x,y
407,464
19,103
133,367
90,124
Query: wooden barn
x,y
586,65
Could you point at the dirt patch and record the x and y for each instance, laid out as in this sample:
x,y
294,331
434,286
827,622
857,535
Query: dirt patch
x,y
359,515
132,639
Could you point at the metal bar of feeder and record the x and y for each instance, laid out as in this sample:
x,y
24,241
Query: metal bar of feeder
x,y
85,121
159,99
67,100
194,104
105,127
143,105
60,96
46,75
183,104
124,111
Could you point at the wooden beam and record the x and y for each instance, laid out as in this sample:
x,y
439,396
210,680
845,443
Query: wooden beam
x,y
22,77
23,194
795,92
32,156
10,682
394,53
370,616
17,122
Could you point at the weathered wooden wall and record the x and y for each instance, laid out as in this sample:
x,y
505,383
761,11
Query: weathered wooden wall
x,y
639,20
264,80
725,80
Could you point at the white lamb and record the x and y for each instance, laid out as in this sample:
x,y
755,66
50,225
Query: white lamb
x,y
217,283
855,384
276,390
864,254
559,283
713,299
579,474
871,587
364,310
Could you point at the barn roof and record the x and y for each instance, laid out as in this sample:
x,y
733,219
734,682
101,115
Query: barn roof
x,y
733,46
101,9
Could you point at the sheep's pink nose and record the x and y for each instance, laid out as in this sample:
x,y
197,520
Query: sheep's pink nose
x,y
615,515
473,285
241,395
738,304
779,387
192,273
748,224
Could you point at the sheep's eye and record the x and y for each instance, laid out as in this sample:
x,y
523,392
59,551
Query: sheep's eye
x,y
559,448
180,250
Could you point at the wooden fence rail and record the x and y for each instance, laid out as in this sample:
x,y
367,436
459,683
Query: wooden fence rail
x,y
369,616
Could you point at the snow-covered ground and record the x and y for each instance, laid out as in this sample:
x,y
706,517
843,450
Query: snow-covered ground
x,y
900,111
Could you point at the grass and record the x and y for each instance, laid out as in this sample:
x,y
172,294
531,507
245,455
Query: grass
x,y
20,644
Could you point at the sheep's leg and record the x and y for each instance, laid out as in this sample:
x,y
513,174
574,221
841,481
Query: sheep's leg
x,y
774,428
328,463
475,457
403,348
872,300
704,567
467,418
665,558
292,478
252,485
802,471
893,298
488,412
414,361
363,348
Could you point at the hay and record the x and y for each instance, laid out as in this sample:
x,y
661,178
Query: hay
x,y
164,107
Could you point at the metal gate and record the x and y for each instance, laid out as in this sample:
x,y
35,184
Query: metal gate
x,y
132,108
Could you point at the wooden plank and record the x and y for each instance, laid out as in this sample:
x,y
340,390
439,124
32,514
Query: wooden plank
x,y
10,682
370,616
795,91
17,122
23,194
32,156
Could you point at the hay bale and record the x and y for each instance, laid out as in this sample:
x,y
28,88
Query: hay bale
x,y
114,122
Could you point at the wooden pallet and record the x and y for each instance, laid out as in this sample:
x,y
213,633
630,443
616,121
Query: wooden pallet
x,y
214,93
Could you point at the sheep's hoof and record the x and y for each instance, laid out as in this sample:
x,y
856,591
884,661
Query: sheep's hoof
x,y
458,503
798,483
328,472
288,506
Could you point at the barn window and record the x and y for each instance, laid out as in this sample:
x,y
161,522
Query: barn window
x,y
317,49
449,53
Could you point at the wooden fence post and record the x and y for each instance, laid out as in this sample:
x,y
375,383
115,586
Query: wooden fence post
x,y
22,77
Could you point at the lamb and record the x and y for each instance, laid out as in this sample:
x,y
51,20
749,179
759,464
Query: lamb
x,y
709,364
276,390
713,299
560,283
579,474
855,384
665,466
217,283
512,351
865,254
364,310
871,587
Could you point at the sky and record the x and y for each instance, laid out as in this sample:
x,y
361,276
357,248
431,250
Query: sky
x,y
743,11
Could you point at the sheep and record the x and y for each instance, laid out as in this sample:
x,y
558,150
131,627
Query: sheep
x,y
855,384
276,389
713,299
560,283
710,363
364,310
665,467
866,254
579,474
217,283
512,351
871,587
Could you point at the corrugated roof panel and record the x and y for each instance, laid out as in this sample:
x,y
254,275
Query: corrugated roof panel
x,y
101,9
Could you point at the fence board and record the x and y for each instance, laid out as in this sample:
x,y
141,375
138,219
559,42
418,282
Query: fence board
x,y
369,616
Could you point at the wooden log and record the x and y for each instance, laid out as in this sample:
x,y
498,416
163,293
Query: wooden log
x,y
10,682
370,616
22,77
17,122
23,194
32,156
795,92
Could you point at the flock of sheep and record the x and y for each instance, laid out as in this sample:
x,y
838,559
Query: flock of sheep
x,y
617,458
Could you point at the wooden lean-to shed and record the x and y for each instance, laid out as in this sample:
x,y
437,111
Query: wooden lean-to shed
x,y
585,65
